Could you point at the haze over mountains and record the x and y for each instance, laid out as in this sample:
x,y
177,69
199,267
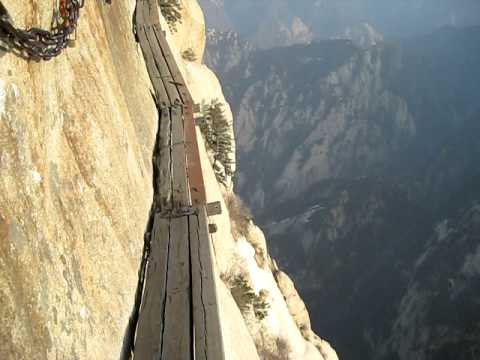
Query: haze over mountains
x,y
365,150
269,23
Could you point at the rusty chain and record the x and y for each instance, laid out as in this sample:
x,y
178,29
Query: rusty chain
x,y
38,44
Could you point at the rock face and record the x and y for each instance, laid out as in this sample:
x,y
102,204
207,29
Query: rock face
x,y
305,122
282,32
366,169
76,135
76,139
225,50
443,303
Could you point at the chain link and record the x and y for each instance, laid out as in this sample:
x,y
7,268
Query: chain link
x,y
38,44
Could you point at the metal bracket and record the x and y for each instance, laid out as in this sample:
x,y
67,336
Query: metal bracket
x,y
212,228
214,208
178,212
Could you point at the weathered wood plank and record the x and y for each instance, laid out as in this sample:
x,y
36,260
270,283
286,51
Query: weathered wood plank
x,y
152,21
199,314
148,343
194,166
163,161
162,66
214,331
173,67
151,12
180,189
177,335
153,72
151,16
208,335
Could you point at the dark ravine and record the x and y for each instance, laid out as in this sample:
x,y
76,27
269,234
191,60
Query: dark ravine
x,y
367,169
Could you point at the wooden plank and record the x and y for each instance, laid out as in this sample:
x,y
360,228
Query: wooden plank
x,y
177,335
162,66
151,10
199,314
163,161
152,17
214,339
151,319
155,76
194,166
172,65
151,21
181,196
206,317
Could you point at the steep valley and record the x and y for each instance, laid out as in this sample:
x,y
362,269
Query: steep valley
x,y
367,184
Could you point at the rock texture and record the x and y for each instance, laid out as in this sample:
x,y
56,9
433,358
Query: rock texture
x,y
76,138
225,50
76,135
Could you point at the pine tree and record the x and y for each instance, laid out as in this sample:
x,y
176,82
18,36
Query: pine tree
x,y
216,131
242,293
247,300
171,11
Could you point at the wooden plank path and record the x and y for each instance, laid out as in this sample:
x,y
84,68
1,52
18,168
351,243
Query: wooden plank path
x,y
178,315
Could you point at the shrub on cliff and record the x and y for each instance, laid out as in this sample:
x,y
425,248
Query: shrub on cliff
x,y
246,299
278,350
189,55
171,11
217,133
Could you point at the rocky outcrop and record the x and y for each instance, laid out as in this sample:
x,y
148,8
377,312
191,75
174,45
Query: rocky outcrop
x,y
295,304
225,50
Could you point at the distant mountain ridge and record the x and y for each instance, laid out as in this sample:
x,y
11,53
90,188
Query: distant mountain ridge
x,y
272,23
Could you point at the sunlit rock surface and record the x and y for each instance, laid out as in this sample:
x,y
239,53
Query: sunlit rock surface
x,y
76,138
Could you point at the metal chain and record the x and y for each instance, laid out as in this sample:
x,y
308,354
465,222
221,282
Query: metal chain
x,y
38,44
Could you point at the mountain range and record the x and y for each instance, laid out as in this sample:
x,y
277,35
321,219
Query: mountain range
x,y
361,162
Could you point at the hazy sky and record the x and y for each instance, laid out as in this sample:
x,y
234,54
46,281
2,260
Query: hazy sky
x,y
328,18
